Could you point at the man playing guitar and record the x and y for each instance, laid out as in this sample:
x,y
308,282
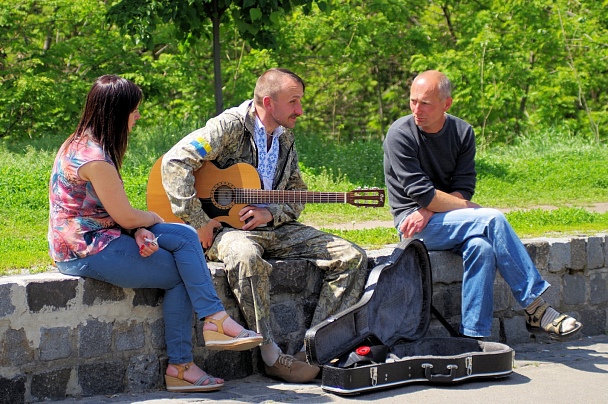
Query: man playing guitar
x,y
259,132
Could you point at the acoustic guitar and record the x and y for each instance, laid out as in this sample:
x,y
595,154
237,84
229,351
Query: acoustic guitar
x,y
224,192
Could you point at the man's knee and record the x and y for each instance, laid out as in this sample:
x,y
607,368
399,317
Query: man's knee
x,y
478,246
492,214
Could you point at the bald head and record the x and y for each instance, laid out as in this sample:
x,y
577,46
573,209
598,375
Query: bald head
x,y
434,79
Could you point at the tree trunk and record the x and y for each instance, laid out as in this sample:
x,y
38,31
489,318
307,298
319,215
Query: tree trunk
x,y
217,66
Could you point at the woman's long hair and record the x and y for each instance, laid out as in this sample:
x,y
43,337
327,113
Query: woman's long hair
x,y
106,115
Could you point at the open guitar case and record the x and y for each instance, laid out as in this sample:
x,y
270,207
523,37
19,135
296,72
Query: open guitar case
x,y
380,342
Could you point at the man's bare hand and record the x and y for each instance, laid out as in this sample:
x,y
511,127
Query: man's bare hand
x,y
254,216
206,234
415,222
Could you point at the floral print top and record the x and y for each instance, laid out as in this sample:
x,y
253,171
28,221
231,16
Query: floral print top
x,y
79,225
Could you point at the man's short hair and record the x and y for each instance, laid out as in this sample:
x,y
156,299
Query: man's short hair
x,y
445,86
270,84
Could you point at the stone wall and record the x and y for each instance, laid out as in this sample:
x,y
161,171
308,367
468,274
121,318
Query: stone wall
x,y
64,336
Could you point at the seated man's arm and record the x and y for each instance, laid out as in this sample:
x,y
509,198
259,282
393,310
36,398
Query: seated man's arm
x,y
444,202
179,165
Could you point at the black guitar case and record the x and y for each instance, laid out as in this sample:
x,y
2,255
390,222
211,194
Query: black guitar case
x,y
380,341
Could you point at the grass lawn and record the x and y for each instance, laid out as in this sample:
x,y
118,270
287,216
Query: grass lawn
x,y
552,169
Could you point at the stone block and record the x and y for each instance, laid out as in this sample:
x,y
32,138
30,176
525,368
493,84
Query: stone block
x,y
95,338
51,385
293,276
605,243
129,335
16,349
55,294
6,305
595,252
554,295
105,378
143,373
515,330
447,299
593,320
228,365
574,291
97,292
286,319
560,255
55,343
598,283
13,390
578,254
446,267
157,334
437,330
502,294
539,251
148,297
495,335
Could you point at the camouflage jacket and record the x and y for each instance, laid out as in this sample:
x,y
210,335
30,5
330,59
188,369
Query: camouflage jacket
x,y
227,139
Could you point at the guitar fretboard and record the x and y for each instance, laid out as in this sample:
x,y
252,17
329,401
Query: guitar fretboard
x,y
247,196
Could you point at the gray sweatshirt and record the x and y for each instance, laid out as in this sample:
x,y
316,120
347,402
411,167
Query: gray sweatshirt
x,y
418,163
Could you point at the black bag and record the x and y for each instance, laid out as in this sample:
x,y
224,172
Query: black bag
x,y
380,341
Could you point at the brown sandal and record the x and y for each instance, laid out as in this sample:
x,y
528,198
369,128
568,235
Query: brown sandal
x,y
218,340
554,328
178,384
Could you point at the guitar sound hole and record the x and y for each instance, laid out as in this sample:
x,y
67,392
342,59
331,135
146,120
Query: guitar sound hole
x,y
223,195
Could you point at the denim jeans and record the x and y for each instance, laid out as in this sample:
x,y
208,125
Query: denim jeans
x,y
178,267
486,241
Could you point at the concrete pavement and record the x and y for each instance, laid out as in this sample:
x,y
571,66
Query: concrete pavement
x,y
560,372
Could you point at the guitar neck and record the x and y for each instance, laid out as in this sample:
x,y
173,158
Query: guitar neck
x,y
261,196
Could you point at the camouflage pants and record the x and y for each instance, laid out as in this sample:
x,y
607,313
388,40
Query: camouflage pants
x,y
344,267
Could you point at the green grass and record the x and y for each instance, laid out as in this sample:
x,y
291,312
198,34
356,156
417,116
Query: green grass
x,y
549,169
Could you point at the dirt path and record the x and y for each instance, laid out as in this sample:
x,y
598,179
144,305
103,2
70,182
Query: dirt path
x,y
600,207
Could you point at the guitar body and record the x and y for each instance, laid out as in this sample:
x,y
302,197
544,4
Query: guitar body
x,y
156,198
214,187
224,192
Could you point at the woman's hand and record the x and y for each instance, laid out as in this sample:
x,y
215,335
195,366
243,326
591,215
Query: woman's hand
x,y
146,240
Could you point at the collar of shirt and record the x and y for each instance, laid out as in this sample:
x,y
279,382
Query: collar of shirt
x,y
267,157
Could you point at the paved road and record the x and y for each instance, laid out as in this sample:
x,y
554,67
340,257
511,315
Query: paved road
x,y
565,372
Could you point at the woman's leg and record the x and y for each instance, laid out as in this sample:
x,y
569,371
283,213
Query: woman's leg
x,y
183,242
120,264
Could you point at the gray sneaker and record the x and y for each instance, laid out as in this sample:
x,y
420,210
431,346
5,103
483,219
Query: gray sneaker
x,y
292,370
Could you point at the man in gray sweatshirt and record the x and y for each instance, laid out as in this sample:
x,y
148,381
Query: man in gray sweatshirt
x,y
429,169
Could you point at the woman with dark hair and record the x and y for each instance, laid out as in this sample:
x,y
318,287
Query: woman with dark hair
x,y
95,232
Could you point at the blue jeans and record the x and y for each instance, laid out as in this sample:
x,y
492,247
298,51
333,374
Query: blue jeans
x,y
178,267
486,241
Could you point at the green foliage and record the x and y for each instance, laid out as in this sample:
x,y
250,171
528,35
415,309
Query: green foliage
x,y
191,18
50,54
518,67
